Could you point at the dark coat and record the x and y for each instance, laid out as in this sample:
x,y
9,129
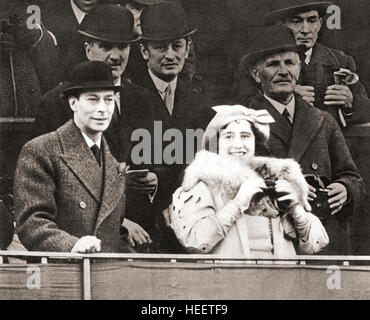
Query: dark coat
x,y
190,112
318,145
59,18
319,74
57,195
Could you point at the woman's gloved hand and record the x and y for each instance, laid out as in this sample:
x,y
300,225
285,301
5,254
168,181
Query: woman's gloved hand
x,y
247,190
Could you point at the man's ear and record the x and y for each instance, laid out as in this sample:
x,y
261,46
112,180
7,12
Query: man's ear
x,y
188,48
87,49
320,23
72,100
253,71
144,52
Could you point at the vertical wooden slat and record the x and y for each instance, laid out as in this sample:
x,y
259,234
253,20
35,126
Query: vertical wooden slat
x,y
1,260
86,279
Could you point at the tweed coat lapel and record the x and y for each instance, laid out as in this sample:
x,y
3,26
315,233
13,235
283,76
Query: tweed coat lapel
x,y
307,124
280,127
113,185
79,158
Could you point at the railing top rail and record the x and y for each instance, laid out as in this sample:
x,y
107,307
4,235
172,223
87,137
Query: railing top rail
x,y
169,257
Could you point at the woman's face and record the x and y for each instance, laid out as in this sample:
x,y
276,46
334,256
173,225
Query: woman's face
x,y
238,140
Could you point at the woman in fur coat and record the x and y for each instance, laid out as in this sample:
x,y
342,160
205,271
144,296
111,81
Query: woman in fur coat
x,y
237,201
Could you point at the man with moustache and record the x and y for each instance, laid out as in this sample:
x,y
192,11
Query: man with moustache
x,y
69,189
310,136
341,94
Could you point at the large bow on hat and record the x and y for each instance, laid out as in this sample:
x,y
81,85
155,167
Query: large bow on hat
x,y
227,114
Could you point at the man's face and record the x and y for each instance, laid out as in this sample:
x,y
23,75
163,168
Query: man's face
x,y
237,140
114,55
93,110
86,5
166,58
306,27
278,74
136,10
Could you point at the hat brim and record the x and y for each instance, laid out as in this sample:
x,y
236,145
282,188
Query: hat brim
x,y
251,58
164,38
282,13
108,37
148,2
68,90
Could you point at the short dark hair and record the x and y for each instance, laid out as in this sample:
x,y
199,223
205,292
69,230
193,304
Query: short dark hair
x,y
262,147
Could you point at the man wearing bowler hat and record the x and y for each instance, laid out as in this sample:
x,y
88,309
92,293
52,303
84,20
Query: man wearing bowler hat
x,y
328,78
69,189
164,46
136,67
309,135
108,34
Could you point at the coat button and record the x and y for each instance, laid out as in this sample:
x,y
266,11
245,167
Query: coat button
x,y
82,205
314,166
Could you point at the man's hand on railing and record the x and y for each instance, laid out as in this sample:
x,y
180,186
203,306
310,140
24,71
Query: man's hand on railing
x,y
87,244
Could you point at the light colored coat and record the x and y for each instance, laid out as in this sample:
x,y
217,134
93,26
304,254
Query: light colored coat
x,y
212,181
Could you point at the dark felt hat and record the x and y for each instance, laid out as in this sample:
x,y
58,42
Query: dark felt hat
x,y
109,23
165,21
280,9
270,40
90,75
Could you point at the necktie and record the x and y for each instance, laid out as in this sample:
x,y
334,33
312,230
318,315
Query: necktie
x,y
307,58
115,116
168,99
287,116
96,151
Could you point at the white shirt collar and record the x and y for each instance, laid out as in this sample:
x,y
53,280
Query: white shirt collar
x,y
79,14
162,85
281,107
308,54
117,96
89,142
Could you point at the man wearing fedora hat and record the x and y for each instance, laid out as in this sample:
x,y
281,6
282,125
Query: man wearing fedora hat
x,y
69,189
328,78
310,136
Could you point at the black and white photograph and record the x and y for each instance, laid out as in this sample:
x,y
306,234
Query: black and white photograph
x,y
184,154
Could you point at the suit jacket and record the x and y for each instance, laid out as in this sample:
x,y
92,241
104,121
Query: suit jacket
x,y
317,144
56,193
319,74
189,112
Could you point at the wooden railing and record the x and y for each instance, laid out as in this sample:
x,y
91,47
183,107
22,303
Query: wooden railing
x,y
161,276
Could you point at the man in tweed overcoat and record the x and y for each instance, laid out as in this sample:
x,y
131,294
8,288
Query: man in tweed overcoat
x,y
69,189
